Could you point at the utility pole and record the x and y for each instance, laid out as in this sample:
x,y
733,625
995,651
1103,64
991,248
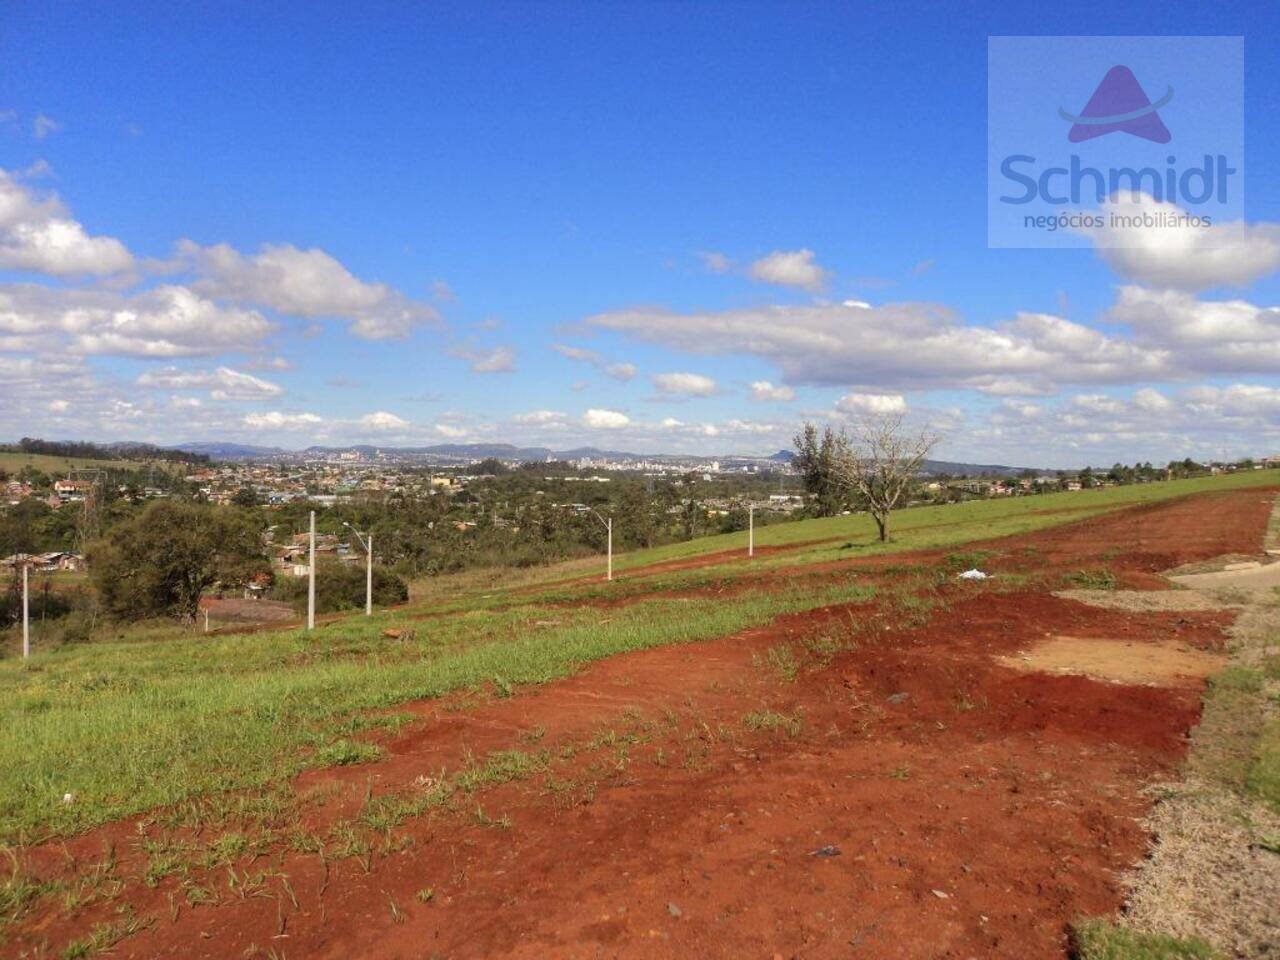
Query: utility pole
x,y
368,567
751,529
26,611
311,577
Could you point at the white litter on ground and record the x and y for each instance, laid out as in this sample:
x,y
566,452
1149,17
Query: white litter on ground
x,y
974,574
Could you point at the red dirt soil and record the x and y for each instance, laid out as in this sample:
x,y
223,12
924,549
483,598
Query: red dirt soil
x,y
974,811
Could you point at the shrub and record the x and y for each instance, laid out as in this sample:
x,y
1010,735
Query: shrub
x,y
341,586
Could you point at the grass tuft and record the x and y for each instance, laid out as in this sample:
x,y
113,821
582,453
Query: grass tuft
x,y
1101,940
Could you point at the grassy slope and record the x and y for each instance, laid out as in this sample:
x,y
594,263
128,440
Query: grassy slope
x,y
922,527
14,462
154,718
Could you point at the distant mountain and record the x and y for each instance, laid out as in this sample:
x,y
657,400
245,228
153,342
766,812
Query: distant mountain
x,y
946,466
230,451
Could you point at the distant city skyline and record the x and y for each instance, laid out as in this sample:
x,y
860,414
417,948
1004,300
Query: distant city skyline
x,y
656,228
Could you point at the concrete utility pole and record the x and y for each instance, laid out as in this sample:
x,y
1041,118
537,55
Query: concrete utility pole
x,y
26,610
751,529
311,577
368,567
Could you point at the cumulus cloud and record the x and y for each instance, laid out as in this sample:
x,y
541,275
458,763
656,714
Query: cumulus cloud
x,y
1209,336
222,383
304,283
763,390
1241,419
541,418
1184,257
597,419
683,385
167,321
619,371
864,404
902,345
382,420
38,235
793,268
275,420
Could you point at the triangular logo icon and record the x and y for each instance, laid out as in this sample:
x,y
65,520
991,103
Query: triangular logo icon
x,y
1119,103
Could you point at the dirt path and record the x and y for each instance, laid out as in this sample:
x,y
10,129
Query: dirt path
x,y
858,781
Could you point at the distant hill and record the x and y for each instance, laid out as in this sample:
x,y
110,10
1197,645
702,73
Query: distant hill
x,y
462,453
218,450
952,467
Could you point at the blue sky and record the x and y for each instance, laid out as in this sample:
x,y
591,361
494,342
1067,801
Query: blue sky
x,y
319,225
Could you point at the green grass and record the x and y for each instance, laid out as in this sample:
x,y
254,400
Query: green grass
x,y
917,528
125,727
162,715
1235,746
13,463
1100,940
773,722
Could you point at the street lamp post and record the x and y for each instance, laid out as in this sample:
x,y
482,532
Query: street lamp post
x,y
751,530
608,526
368,567
26,610
311,576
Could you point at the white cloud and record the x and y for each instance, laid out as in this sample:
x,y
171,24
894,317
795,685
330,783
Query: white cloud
x,y
541,418
222,383
38,236
498,360
1182,256
382,420
304,283
43,126
900,346
1153,401
1207,336
619,371
794,268
167,321
862,404
451,431
1200,421
715,262
598,419
684,384
274,420
764,390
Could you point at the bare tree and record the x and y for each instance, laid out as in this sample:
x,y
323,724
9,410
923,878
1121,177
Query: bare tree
x,y
881,462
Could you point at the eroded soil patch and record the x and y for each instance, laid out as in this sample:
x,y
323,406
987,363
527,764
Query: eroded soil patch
x,y
1119,661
